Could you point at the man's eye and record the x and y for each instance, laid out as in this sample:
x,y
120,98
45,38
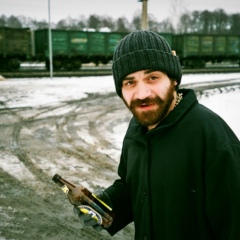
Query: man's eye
x,y
153,77
128,83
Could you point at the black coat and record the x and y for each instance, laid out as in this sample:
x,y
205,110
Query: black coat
x,y
181,180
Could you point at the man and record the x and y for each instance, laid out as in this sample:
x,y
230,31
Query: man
x,y
179,173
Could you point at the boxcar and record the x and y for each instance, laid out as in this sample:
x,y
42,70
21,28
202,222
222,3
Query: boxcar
x,y
195,50
111,41
71,48
169,38
15,46
60,47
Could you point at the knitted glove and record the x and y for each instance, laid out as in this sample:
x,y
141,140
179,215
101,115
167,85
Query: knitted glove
x,y
90,219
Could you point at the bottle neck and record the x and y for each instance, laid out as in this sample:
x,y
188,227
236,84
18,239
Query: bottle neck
x,y
62,182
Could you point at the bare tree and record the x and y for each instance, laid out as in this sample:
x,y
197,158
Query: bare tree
x,y
94,22
70,24
184,25
188,22
206,20
152,23
177,9
122,25
195,21
14,22
3,21
109,23
220,21
136,22
26,22
41,24
235,23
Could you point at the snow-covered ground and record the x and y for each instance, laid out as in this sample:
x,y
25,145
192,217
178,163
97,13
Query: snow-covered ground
x,y
62,89
49,145
226,104
47,92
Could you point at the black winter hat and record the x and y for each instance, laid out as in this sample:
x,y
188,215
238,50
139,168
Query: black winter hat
x,y
142,50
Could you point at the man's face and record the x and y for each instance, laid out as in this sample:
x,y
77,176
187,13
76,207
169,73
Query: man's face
x,y
149,95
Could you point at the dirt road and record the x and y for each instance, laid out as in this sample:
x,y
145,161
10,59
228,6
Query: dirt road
x,y
67,137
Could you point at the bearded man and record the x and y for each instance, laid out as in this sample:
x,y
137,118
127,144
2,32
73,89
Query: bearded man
x,y
179,172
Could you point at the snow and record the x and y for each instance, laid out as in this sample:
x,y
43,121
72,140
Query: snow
x,y
56,89
63,89
45,91
225,104
212,77
13,166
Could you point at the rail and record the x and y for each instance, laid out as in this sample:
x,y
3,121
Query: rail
x,y
38,70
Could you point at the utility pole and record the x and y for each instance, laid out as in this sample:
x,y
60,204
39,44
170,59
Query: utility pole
x,y
144,25
50,40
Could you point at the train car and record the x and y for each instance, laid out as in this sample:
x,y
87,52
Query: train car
x,y
60,47
195,50
71,48
169,38
111,41
15,46
226,48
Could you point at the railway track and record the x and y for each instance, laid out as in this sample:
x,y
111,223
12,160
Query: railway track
x,y
99,71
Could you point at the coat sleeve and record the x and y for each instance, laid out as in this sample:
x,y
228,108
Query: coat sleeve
x,y
120,200
223,193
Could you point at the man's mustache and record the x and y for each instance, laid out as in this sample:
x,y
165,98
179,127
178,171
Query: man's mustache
x,y
146,101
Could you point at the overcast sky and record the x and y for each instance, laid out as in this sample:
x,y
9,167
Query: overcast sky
x,y
61,9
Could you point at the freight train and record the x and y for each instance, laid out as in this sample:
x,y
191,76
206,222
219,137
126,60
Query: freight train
x,y
71,48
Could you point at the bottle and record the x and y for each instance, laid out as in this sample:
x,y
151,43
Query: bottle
x,y
86,201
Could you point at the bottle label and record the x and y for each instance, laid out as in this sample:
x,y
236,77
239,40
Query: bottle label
x,y
65,189
94,214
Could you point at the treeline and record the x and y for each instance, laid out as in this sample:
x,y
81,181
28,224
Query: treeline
x,y
209,22
205,22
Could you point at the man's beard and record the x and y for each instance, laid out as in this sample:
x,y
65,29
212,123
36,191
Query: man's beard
x,y
152,117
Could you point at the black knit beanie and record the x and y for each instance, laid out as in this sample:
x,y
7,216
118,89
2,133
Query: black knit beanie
x,y
144,50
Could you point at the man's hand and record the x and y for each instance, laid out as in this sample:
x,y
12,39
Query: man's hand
x,y
88,216
88,219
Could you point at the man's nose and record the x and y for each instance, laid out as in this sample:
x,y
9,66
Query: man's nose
x,y
142,91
